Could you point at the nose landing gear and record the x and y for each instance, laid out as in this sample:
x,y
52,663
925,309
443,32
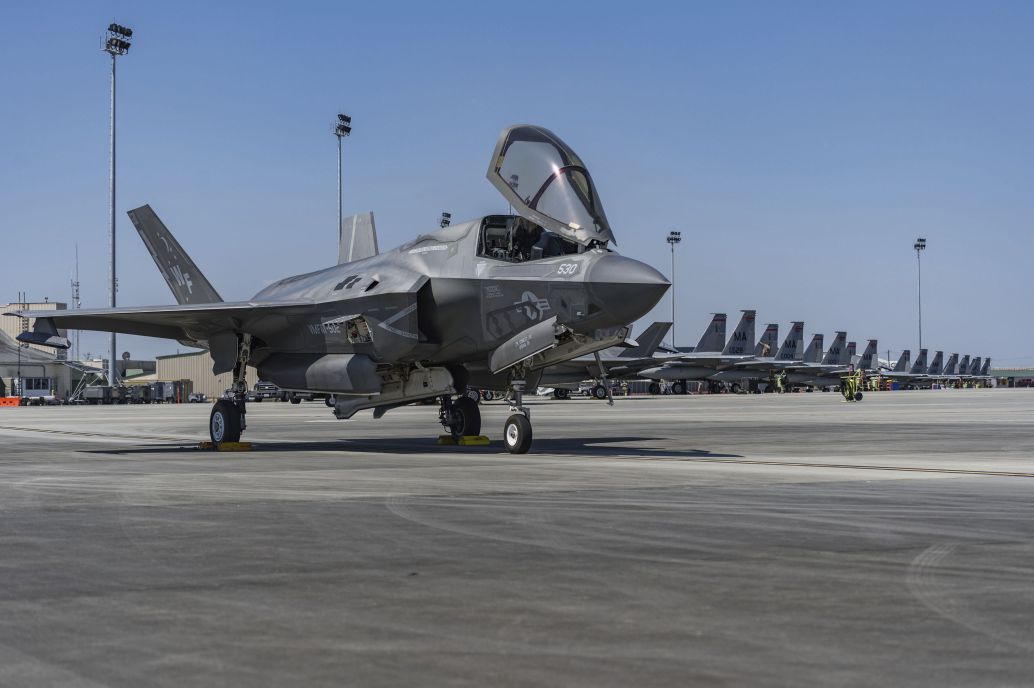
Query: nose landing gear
x,y
517,430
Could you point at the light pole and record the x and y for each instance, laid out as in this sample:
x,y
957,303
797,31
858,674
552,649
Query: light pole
x,y
920,246
342,128
116,43
673,238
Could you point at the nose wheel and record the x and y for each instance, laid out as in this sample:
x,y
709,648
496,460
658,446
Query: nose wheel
x,y
517,434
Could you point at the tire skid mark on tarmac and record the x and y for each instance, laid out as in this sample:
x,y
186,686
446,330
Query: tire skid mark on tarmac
x,y
99,435
925,585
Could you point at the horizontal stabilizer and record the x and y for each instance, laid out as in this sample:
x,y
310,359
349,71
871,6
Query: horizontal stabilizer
x,y
648,342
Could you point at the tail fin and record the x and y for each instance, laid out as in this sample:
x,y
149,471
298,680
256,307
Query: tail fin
x,y
964,365
837,351
357,238
713,338
919,367
903,362
869,360
769,342
935,366
742,337
188,285
952,366
974,367
791,348
813,354
986,370
649,340
850,354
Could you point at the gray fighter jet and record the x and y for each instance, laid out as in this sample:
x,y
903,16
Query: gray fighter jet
x,y
487,303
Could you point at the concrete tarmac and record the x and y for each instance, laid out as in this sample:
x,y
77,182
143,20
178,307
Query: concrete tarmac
x,y
728,540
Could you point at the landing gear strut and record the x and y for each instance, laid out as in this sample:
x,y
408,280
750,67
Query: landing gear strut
x,y
228,418
517,430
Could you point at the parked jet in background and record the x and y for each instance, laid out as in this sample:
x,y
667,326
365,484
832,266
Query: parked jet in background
x,y
711,354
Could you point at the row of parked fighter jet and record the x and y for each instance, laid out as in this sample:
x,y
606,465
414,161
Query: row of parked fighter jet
x,y
738,361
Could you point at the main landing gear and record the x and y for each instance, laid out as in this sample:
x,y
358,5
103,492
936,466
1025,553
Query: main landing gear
x,y
460,416
228,419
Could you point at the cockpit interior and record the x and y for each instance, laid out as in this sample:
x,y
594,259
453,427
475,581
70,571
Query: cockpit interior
x,y
515,239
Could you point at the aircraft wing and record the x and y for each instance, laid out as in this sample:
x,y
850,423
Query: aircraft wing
x,y
711,359
186,323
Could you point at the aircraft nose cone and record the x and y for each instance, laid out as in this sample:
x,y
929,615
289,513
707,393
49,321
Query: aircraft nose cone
x,y
625,289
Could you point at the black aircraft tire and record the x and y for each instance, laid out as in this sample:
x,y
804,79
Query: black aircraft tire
x,y
561,393
599,392
472,394
224,425
295,400
466,418
517,434
487,395
857,396
330,400
678,387
654,388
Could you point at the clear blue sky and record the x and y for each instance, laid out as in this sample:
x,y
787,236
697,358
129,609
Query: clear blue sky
x,y
800,147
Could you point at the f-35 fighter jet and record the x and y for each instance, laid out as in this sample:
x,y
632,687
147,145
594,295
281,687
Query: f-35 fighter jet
x,y
487,303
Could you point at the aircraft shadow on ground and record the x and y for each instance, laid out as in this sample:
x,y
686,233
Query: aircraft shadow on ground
x,y
571,446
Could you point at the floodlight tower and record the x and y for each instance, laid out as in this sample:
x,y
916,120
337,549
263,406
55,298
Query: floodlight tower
x,y
920,246
673,239
116,44
446,220
342,128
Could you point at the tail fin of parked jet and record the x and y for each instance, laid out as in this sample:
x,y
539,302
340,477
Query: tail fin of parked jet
x,y
713,338
742,337
769,342
791,348
837,351
964,365
649,340
850,354
869,360
952,366
974,367
919,367
357,238
813,354
188,285
935,365
986,370
903,362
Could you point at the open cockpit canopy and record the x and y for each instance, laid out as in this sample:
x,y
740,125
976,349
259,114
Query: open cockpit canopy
x,y
547,183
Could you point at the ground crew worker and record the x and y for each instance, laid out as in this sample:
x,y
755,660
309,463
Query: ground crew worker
x,y
778,380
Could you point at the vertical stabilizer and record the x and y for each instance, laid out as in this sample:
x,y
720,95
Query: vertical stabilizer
x,y
742,337
919,367
769,342
935,365
964,365
850,354
986,370
713,338
357,238
184,278
791,349
813,354
974,367
869,360
903,362
837,352
952,366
